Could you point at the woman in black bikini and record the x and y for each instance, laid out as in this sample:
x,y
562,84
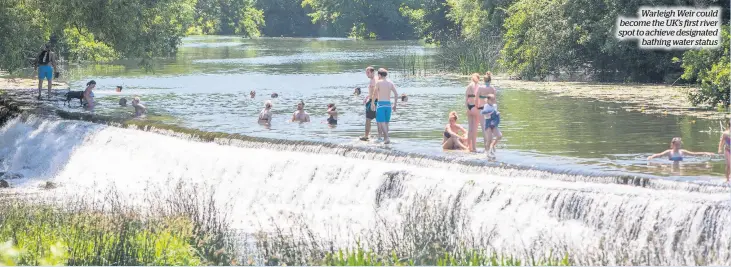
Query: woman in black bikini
x,y
473,115
452,139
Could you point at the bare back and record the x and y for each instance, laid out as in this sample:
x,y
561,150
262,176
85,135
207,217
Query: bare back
x,y
482,93
384,88
470,94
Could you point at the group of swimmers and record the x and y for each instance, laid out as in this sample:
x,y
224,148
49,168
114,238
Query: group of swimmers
x,y
377,105
88,99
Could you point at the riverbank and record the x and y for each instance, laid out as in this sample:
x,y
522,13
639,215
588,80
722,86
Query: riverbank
x,y
25,83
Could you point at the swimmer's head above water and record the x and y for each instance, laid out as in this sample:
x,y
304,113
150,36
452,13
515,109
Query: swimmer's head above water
x,y
330,107
676,143
404,98
252,93
275,95
301,105
119,88
356,91
268,104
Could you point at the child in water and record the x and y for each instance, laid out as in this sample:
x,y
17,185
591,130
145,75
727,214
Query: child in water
x,y
139,108
492,120
675,154
725,145
333,119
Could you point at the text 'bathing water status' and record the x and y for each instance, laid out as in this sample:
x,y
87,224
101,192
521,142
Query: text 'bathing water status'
x,y
675,27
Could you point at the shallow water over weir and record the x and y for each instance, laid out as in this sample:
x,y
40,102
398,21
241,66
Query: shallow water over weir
x,y
342,193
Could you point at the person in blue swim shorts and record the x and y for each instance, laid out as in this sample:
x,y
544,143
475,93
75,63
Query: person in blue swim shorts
x,y
45,63
383,89
492,119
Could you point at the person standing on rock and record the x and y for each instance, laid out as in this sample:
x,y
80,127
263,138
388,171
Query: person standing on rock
x,y
46,64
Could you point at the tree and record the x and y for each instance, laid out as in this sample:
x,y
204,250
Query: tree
x,y
361,19
93,29
710,68
286,18
227,17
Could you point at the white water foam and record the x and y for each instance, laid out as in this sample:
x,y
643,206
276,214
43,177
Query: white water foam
x,y
339,197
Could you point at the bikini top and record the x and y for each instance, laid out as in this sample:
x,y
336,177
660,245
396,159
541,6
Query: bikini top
x,y
678,157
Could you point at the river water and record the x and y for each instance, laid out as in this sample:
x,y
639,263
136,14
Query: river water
x,y
571,201
207,87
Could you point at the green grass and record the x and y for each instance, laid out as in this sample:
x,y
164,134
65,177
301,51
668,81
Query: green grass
x,y
361,257
44,235
180,229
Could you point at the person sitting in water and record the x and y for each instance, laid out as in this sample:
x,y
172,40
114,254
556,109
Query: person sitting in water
x,y
89,94
252,94
452,139
139,108
333,119
404,98
300,115
356,92
491,133
275,95
265,116
675,153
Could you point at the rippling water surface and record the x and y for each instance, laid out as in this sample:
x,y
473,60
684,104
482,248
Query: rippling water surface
x,y
207,87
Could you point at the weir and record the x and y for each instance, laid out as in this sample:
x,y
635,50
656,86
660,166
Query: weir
x,y
343,194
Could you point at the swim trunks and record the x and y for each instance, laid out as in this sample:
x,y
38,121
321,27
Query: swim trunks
x,y
45,72
383,111
370,114
494,119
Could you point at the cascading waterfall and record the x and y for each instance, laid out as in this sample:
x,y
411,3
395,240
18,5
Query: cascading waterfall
x,y
341,193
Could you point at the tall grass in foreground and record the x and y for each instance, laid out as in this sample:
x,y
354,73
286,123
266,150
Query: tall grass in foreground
x,y
428,234
178,226
173,231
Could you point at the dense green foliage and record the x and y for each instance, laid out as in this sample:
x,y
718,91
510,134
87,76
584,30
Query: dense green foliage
x,y
711,69
91,29
227,17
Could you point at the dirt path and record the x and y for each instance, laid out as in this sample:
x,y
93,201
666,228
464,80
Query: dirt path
x,y
24,83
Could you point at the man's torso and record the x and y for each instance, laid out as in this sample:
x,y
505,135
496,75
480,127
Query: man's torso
x,y
383,90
